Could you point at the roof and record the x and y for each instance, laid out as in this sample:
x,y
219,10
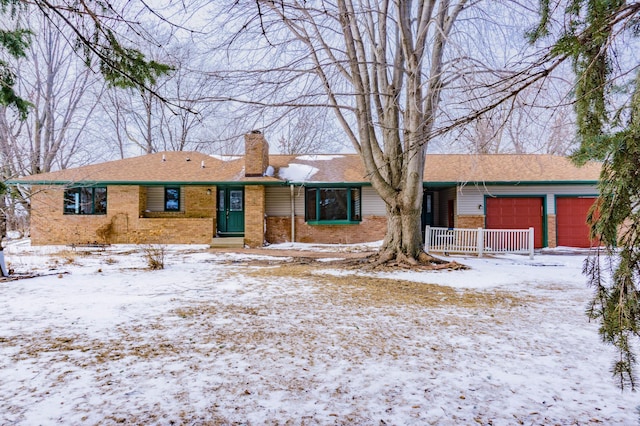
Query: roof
x,y
196,168
511,168
162,167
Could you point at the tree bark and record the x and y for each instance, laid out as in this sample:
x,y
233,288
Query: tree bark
x,y
403,240
382,68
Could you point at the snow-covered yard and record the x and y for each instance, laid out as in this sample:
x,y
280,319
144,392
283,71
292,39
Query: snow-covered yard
x,y
221,338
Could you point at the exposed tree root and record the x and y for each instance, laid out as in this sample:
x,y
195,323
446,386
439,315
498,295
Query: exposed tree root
x,y
424,261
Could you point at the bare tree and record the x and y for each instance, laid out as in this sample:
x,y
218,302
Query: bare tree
x,y
59,89
98,31
112,106
310,131
383,68
144,123
62,93
137,116
58,86
182,126
539,120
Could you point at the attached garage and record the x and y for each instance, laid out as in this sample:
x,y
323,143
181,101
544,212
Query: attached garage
x,y
571,221
516,213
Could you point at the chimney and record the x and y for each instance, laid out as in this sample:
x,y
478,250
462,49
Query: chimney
x,y
256,154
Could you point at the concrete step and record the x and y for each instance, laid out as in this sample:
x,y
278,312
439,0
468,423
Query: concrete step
x,y
227,242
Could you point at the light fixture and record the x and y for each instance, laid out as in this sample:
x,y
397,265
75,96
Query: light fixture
x,y
208,191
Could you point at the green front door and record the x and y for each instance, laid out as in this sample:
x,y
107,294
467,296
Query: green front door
x,y
231,211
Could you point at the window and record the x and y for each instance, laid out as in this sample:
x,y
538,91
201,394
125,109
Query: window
x,y
85,201
172,199
235,200
332,205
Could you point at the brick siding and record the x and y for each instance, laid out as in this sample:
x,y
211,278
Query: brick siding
x,y
128,223
256,154
552,238
50,226
372,228
254,206
125,219
469,221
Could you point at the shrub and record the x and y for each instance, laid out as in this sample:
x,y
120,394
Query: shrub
x,y
154,254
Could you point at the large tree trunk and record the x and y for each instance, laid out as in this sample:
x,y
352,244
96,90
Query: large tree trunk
x,y
383,75
403,240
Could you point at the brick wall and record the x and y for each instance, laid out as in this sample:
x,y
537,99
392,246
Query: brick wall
x,y
50,226
199,201
254,207
256,158
278,229
124,204
372,228
124,219
552,240
173,231
469,221
129,224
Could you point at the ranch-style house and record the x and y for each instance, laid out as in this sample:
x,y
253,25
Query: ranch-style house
x,y
257,198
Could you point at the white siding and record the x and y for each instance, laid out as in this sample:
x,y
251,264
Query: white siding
x,y
468,200
372,204
155,199
298,194
278,201
472,196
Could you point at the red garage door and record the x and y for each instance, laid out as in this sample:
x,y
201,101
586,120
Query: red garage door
x,y
516,213
571,221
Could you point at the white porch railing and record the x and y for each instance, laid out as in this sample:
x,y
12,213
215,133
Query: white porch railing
x,y
480,241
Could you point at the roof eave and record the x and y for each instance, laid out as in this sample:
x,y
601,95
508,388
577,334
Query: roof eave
x,y
139,183
282,182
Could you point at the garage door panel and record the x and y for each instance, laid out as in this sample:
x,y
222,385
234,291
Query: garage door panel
x,y
516,213
571,221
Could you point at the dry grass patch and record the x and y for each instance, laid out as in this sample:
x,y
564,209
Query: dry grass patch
x,y
378,292
65,347
65,257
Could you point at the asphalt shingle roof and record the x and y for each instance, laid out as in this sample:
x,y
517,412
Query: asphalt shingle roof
x,y
187,167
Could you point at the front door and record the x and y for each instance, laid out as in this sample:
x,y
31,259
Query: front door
x,y
230,212
427,210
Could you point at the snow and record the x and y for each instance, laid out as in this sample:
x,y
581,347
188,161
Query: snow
x,y
225,338
318,157
270,171
504,270
297,172
226,157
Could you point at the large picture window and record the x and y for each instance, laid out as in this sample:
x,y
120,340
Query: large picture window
x,y
333,205
85,201
172,199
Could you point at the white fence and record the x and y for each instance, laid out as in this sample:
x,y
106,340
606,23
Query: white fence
x,y
480,241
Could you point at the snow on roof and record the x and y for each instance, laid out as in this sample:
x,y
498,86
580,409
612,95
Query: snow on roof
x,y
318,157
297,172
226,157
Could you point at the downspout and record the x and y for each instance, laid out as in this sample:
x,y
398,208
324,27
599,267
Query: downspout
x,y
293,216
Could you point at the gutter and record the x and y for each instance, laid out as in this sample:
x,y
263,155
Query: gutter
x,y
139,183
